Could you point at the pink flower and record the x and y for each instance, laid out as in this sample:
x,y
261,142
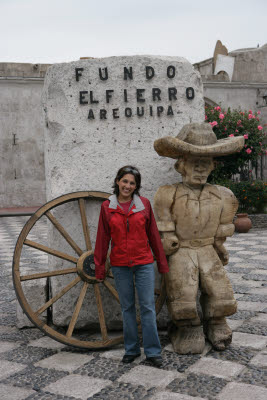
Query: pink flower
x,y
260,143
245,145
239,122
260,128
221,116
206,117
225,128
258,112
236,130
214,123
248,151
250,116
231,135
217,108
246,136
250,111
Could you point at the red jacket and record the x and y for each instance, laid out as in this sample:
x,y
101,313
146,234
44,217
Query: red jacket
x,y
131,236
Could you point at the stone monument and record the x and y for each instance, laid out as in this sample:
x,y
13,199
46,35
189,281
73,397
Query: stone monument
x,y
194,219
101,114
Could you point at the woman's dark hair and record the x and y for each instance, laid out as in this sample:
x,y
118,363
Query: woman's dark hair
x,y
128,169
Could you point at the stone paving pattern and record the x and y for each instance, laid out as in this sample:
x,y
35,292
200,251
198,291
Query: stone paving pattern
x,y
33,366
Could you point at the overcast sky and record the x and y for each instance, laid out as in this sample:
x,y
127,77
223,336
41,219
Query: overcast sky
x,y
50,31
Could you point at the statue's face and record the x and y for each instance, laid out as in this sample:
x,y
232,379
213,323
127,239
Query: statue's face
x,y
197,170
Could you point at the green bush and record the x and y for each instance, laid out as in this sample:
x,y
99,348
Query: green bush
x,y
251,195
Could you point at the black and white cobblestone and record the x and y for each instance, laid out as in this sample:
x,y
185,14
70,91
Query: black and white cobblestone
x,y
31,364
204,386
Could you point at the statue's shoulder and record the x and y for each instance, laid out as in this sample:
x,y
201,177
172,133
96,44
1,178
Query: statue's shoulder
x,y
225,192
165,194
230,204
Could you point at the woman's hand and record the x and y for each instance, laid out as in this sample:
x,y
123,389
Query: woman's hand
x,y
170,243
99,280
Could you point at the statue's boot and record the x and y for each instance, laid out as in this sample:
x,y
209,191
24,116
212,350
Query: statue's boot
x,y
218,333
186,338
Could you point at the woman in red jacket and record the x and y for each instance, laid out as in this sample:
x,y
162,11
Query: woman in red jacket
x,y
127,220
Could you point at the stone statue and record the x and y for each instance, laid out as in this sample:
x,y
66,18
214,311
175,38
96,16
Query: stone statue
x,y
194,219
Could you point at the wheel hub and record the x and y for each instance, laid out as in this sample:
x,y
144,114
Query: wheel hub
x,y
86,267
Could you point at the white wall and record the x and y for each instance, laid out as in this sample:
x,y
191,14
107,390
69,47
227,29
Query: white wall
x,y
22,178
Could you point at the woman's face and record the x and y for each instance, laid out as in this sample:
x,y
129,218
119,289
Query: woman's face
x,y
127,186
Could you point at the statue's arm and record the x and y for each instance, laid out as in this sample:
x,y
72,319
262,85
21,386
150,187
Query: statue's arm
x,y
163,202
226,227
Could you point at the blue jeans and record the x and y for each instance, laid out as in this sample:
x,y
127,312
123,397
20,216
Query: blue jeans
x,y
144,277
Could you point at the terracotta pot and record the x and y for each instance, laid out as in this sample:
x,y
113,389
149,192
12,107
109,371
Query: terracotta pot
x,y
242,223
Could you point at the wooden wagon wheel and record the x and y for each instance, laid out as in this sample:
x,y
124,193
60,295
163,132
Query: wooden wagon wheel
x,y
82,270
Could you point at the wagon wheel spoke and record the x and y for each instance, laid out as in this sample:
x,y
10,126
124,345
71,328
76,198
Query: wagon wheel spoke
x,y
77,310
100,312
48,250
63,232
86,231
58,296
48,274
112,290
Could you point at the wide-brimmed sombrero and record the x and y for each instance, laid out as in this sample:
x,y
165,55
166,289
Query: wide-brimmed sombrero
x,y
197,140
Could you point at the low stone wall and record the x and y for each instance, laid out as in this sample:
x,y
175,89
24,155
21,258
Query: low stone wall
x,y
259,221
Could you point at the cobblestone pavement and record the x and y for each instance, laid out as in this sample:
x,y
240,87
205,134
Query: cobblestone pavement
x,y
33,366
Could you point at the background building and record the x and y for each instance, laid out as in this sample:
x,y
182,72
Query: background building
x,y
237,80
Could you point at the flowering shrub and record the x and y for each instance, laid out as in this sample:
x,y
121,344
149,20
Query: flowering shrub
x,y
251,195
237,123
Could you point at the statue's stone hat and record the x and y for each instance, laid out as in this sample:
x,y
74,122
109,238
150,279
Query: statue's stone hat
x,y
197,140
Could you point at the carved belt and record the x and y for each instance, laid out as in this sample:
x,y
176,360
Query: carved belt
x,y
196,242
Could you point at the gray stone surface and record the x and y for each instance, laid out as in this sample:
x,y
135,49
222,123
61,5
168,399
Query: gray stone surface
x,y
14,393
46,342
149,376
260,359
37,291
250,306
174,396
8,368
218,368
76,385
92,140
76,145
242,391
65,361
249,340
6,346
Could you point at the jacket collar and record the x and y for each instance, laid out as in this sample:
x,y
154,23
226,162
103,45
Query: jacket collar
x,y
137,202
207,191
